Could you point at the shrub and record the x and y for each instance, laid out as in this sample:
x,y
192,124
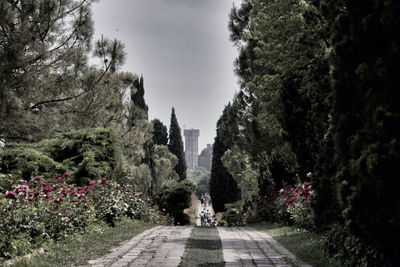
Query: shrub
x,y
297,201
36,211
174,197
87,154
28,162
350,250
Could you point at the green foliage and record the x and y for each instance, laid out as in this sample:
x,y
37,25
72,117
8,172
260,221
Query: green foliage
x,y
223,188
350,250
233,215
203,185
160,133
87,154
174,197
47,85
28,162
138,96
36,211
175,146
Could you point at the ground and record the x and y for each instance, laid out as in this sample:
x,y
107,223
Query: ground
x,y
165,246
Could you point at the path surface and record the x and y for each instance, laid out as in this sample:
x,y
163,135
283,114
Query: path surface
x,y
158,246
244,246
165,245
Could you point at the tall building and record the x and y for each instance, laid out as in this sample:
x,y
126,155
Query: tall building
x,y
205,158
191,148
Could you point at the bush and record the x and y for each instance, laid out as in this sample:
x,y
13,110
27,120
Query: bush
x,y
173,198
28,162
233,217
87,154
296,200
350,250
37,211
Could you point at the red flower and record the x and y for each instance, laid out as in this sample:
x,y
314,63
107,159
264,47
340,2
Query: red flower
x,y
11,195
84,200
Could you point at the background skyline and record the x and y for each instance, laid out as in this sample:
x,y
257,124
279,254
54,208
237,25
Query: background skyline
x,y
183,51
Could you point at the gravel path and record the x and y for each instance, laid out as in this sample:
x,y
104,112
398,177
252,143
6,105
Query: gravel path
x,y
158,246
244,246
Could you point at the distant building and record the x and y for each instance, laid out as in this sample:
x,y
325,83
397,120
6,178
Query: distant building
x,y
205,158
191,148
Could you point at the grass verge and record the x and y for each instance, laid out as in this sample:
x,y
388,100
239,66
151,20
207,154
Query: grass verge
x,y
79,248
307,246
203,248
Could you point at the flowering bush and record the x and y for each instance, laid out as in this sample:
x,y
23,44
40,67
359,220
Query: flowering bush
x,y
35,211
296,201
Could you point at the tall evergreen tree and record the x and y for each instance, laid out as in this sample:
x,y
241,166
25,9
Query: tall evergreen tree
x,y
138,97
160,133
366,80
175,146
223,188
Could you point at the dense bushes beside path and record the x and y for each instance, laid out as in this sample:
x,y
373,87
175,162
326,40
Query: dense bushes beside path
x,y
86,154
174,197
36,211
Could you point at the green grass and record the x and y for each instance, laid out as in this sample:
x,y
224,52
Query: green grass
x,y
79,248
203,248
307,246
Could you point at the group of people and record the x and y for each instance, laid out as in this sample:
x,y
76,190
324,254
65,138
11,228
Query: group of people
x,y
205,199
206,218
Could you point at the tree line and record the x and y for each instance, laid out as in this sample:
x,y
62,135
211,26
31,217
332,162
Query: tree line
x,y
318,93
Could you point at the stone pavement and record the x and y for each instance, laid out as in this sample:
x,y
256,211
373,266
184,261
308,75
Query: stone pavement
x,y
158,246
244,246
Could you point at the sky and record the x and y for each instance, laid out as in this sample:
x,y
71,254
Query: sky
x,y
183,51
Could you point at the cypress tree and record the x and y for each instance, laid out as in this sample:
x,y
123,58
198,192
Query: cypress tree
x,y
365,81
160,133
175,146
223,188
138,96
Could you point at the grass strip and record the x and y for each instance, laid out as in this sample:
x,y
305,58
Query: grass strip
x,y
307,246
203,248
78,249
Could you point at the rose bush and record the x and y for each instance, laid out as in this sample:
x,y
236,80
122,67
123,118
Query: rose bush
x,y
35,211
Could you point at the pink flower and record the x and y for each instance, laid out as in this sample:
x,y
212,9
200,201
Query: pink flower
x,y
38,178
99,181
307,183
47,211
35,163
19,172
74,200
31,199
281,191
84,200
107,182
92,183
309,174
1,203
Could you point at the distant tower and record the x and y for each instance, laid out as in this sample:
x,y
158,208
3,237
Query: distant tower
x,y
205,158
191,148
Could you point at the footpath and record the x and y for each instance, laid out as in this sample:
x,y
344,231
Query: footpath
x,y
163,246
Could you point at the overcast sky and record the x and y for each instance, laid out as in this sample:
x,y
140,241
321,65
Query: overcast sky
x,y
182,48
